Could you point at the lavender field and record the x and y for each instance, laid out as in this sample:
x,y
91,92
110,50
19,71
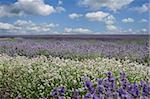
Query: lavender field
x,y
74,49
74,68
78,49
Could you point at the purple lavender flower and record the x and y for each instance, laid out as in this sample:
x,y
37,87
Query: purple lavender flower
x,y
126,96
19,97
58,93
54,93
109,74
146,90
61,97
100,81
100,89
61,90
97,97
88,96
89,85
43,97
121,92
122,76
116,95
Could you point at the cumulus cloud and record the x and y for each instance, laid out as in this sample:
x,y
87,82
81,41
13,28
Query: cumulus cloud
x,y
113,5
110,23
27,27
28,7
144,8
60,2
59,9
128,20
96,16
109,19
22,23
77,30
144,30
143,20
10,10
101,16
35,7
30,26
75,16
7,26
111,27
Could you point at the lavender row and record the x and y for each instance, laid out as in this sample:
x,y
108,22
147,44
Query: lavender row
x,y
76,49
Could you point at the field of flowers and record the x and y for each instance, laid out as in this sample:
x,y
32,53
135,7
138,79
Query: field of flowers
x,y
78,49
74,69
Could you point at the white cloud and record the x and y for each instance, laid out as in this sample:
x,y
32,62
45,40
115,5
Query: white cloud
x,y
7,26
137,31
96,16
128,20
22,23
144,30
75,16
111,4
35,7
59,9
27,27
29,7
126,31
144,8
68,30
110,23
51,25
10,10
111,27
60,2
109,19
77,30
143,20
100,16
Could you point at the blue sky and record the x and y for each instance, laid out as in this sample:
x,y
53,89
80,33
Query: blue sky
x,y
23,17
